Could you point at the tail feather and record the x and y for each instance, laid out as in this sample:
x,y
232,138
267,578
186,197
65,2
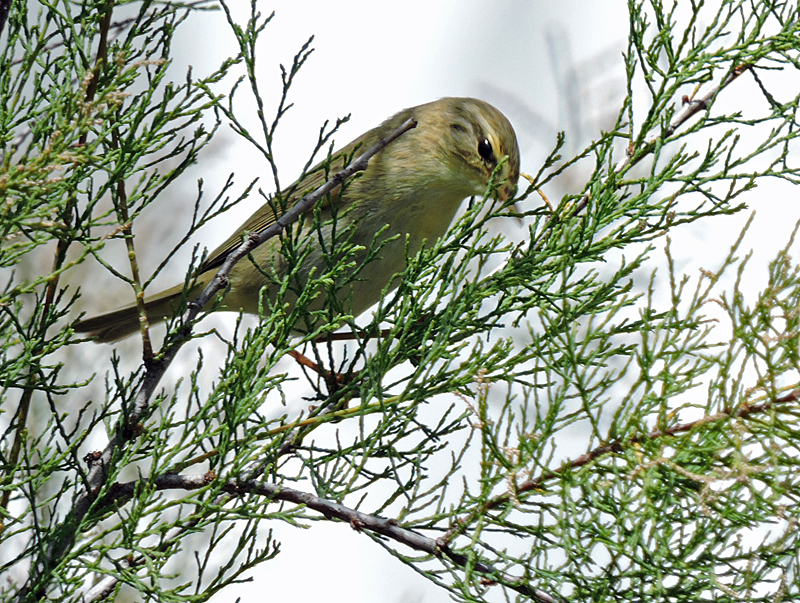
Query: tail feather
x,y
122,322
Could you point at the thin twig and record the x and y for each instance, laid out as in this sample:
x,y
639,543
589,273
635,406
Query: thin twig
x,y
59,257
62,537
254,239
743,412
358,520
540,483
691,109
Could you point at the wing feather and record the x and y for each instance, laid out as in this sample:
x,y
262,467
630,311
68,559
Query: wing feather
x,y
316,177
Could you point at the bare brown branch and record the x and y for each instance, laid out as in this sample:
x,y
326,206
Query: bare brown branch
x,y
358,520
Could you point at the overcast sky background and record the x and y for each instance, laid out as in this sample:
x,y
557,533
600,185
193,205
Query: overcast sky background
x,y
371,60
549,66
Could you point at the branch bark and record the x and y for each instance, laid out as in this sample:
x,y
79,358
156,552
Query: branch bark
x,y
359,521
692,108
61,538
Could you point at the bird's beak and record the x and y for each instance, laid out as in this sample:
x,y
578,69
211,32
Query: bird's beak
x,y
506,192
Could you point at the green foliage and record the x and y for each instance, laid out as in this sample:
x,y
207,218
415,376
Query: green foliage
x,y
547,419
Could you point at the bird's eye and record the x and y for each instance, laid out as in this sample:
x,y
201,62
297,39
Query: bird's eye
x,y
486,152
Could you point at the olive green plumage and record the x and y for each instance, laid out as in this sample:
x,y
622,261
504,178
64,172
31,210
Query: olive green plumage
x,y
414,186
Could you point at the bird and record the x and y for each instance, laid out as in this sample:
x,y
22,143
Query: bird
x,y
408,194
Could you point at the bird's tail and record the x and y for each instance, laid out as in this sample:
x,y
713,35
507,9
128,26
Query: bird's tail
x,y
120,323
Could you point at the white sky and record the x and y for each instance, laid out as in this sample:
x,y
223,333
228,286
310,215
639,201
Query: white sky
x,y
372,59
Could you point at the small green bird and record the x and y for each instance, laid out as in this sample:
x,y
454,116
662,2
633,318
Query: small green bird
x,y
412,188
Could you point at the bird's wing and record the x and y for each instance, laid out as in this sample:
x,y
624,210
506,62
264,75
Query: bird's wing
x,y
265,217
316,177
